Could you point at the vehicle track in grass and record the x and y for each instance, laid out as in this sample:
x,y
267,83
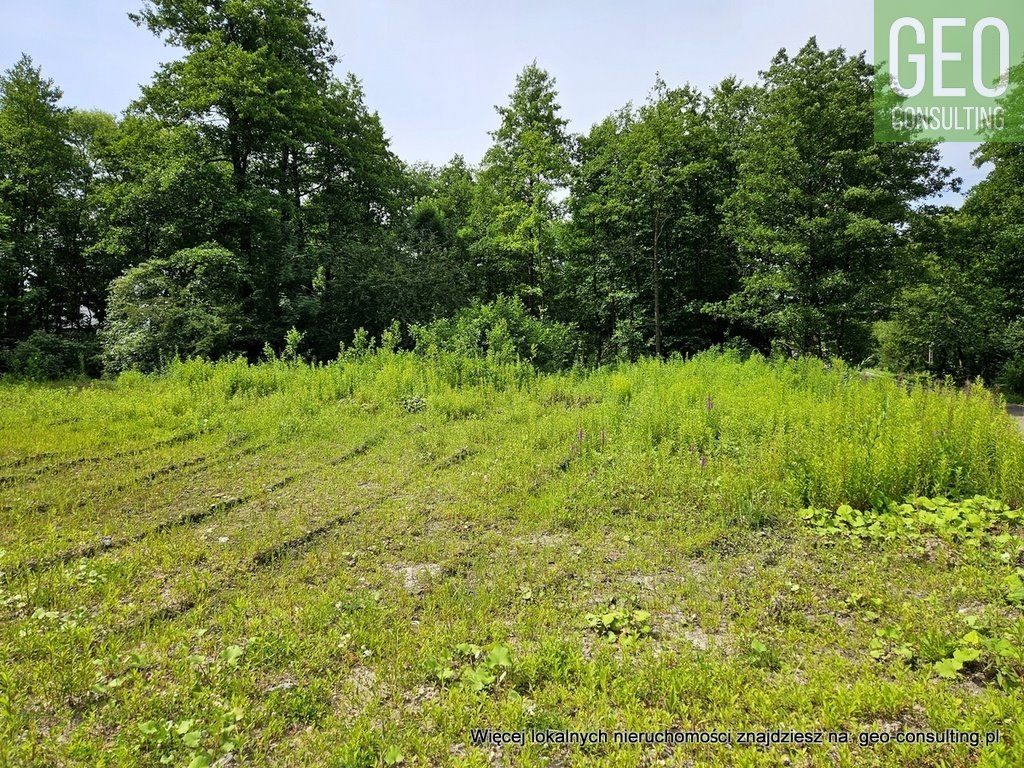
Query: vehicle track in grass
x,y
23,571
136,499
298,550
275,584
146,478
73,463
233,580
271,569
277,552
283,552
130,504
192,517
269,555
310,537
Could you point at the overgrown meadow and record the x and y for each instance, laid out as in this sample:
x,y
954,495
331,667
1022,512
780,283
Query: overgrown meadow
x,y
356,564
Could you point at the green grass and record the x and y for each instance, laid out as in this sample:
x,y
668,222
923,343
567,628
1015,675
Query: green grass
x,y
356,564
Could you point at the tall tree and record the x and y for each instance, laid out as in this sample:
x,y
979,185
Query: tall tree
x,y
313,187
41,178
253,83
442,274
517,205
645,249
820,206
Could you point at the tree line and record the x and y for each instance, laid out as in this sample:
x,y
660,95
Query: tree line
x,y
248,203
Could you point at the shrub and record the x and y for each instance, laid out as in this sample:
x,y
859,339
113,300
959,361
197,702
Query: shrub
x,y
1011,377
946,327
47,356
502,331
185,305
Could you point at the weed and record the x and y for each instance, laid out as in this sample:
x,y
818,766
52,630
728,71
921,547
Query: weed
x,y
623,625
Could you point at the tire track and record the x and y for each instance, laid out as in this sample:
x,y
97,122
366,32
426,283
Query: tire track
x,y
277,554
193,517
94,460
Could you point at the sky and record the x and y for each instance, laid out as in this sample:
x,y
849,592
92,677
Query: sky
x,y
435,70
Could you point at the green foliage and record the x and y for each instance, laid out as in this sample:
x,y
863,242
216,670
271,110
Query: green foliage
x,y
49,356
414,404
188,741
298,182
987,652
820,205
477,670
48,281
292,341
763,656
978,522
947,325
1015,587
645,250
503,332
182,306
620,624
1011,376
515,212
362,345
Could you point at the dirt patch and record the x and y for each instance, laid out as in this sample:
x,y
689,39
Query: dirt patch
x,y
359,690
685,627
544,540
416,577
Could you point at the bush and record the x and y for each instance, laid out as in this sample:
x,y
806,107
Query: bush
x,y
503,331
1011,377
947,327
48,356
185,305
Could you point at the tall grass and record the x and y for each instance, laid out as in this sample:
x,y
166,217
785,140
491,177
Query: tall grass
x,y
754,439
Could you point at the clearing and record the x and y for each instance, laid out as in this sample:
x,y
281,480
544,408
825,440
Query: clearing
x,y
357,564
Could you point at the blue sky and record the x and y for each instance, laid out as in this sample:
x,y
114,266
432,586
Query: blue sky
x,y
434,70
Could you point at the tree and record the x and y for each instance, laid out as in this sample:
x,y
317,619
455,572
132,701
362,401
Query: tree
x,y
820,206
156,193
181,306
646,253
40,178
254,85
441,274
516,210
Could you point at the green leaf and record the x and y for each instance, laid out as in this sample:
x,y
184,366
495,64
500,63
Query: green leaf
x,y
971,638
499,656
148,728
965,655
192,739
232,654
183,727
468,649
948,668
393,756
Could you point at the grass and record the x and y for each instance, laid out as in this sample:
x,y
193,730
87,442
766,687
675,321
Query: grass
x,y
357,564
